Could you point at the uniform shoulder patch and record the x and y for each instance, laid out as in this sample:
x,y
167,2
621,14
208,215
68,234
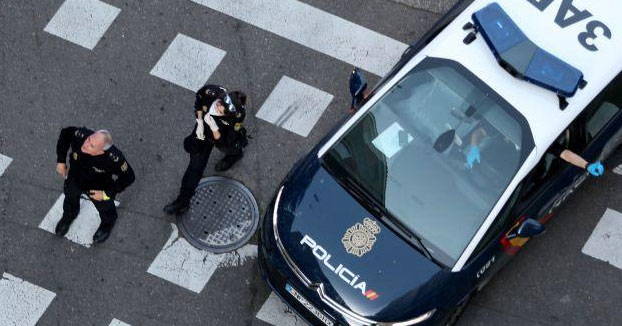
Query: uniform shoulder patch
x,y
124,167
115,157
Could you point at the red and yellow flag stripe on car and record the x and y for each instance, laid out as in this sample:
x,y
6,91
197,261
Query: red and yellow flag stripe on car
x,y
371,295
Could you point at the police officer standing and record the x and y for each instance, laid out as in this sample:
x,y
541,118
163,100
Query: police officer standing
x,y
219,115
97,169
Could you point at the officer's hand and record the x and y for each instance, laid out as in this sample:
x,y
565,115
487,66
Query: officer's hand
x,y
473,156
96,195
596,169
61,169
200,130
211,122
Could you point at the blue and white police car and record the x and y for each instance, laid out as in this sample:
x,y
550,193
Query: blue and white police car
x,y
449,165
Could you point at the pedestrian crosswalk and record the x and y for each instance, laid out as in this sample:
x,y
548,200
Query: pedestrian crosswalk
x,y
84,226
605,243
188,62
116,322
294,106
82,22
316,29
22,303
276,313
184,265
4,163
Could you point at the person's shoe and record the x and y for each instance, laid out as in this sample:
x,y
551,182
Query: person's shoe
x,y
103,232
176,208
62,227
223,165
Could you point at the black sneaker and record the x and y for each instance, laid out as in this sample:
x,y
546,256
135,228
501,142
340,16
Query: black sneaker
x,y
103,232
62,227
176,208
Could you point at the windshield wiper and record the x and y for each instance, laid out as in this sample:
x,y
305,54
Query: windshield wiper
x,y
354,186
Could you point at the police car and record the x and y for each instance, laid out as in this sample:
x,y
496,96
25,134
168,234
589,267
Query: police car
x,y
394,219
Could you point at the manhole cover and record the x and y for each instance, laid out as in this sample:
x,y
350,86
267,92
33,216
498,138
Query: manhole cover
x,y
223,215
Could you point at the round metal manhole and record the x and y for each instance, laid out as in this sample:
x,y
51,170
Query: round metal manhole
x,y
223,215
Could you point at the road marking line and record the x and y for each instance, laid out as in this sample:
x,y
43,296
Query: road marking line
x,y
82,22
275,312
188,62
617,170
22,303
316,29
182,264
82,228
4,163
605,243
294,106
116,322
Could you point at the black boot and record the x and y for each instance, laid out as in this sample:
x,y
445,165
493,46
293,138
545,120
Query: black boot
x,y
103,232
178,207
63,226
227,162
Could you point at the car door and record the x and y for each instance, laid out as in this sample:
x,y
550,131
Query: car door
x,y
594,134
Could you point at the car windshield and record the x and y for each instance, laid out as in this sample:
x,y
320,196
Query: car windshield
x,y
409,153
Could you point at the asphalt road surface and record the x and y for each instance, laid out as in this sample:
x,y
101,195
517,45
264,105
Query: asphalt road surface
x,y
131,67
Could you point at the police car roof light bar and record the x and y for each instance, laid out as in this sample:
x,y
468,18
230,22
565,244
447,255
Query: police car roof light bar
x,y
522,58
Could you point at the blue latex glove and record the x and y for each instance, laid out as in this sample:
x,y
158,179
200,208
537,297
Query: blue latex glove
x,y
596,169
473,156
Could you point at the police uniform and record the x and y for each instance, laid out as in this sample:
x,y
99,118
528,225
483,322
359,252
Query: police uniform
x,y
108,172
229,143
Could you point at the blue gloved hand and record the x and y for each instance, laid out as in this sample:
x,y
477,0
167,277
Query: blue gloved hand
x,y
473,156
596,169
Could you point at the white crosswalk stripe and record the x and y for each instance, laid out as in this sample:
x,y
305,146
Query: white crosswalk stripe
x,y
188,62
294,106
605,243
82,22
22,303
4,163
82,228
316,29
275,312
617,170
116,322
180,263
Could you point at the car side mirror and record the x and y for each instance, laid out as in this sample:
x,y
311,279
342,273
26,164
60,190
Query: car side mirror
x,y
358,85
530,228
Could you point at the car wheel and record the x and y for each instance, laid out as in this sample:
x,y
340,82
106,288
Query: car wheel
x,y
453,317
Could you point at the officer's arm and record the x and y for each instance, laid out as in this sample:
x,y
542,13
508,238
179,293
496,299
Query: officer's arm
x,y
573,158
125,177
64,142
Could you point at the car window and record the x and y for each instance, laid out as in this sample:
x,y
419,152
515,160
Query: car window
x,y
503,220
392,154
599,120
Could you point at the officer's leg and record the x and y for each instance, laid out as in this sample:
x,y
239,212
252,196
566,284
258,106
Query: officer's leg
x,y
71,206
190,181
232,155
108,214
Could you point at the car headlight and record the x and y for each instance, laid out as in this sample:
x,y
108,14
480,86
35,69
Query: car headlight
x,y
413,321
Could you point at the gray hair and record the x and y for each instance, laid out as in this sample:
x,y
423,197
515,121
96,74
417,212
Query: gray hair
x,y
107,138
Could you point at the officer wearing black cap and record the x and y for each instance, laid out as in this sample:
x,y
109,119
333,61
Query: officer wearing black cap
x,y
219,115
97,169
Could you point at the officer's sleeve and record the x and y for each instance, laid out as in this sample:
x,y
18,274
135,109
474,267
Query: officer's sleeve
x,y
200,98
240,115
556,149
64,142
124,172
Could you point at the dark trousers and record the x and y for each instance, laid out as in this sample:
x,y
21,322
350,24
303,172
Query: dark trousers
x,y
71,205
194,171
